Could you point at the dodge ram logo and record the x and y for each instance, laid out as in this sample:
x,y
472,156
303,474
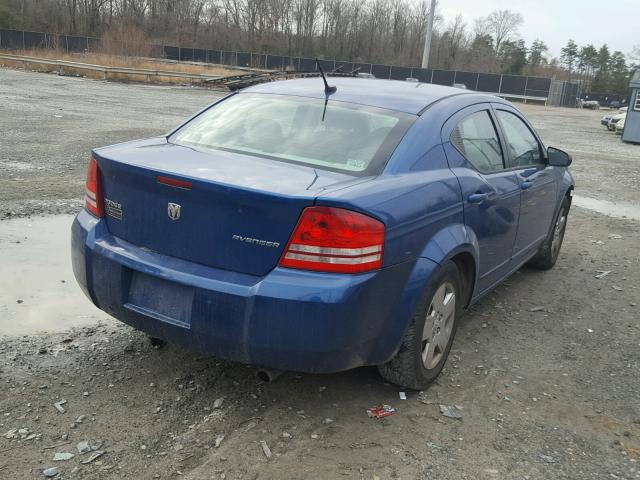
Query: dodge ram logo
x,y
173,210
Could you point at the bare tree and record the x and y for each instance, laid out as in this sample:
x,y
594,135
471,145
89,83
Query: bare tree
x,y
360,31
503,24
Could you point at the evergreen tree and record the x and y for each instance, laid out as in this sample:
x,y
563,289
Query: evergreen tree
x,y
513,56
601,81
537,50
569,55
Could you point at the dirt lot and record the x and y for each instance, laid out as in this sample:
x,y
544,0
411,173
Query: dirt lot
x,y
546,370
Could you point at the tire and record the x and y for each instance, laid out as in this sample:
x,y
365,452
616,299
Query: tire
x,y
408,369
547,256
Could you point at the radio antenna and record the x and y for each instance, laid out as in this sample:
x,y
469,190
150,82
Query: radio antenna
x,y
327,89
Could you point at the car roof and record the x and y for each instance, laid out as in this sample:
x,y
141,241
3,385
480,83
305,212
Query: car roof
x,y
409,97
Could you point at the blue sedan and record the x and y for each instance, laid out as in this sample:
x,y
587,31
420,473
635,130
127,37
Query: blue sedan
x,y
317,229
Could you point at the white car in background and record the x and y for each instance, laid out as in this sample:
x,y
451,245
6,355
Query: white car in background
x,y
620,126
609,116
614,120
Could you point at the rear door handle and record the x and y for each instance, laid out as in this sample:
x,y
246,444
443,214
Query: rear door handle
x,y
477,197
526,184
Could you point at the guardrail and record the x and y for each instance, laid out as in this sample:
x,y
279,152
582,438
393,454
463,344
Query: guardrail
x,y
524,98
60,65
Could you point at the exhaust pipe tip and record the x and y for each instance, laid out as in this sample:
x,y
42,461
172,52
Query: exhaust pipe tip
x,y
268,375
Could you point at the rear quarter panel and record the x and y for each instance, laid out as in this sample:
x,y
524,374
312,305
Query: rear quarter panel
x,y
416,197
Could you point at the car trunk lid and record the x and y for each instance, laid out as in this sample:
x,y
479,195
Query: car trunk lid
x,y
215,208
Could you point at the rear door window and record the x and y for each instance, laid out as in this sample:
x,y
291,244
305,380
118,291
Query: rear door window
x,y
476,138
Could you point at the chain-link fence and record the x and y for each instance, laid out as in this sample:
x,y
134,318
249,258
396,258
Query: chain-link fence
x,y
526,88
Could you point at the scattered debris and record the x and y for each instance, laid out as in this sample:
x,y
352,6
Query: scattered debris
x,y
56,445
590,330
83,447
451,411
51,472
548,459
62,456
536,309
286,435
403,395
266,449
93,456
218,403
602,273
422,396
219,440
358,445
59,406
380,411
21,433
617,288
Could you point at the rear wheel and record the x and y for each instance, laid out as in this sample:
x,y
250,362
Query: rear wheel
x,y
426,344
546,258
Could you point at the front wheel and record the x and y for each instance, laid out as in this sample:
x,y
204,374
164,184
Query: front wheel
x,y
546,258
427,342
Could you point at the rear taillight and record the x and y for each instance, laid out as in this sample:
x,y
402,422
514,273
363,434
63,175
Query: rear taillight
x,y
331,239
93,194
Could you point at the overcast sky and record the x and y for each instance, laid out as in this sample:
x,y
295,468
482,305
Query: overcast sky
x,y
614,22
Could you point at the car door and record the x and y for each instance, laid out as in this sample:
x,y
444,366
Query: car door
x,y
490,191
536,177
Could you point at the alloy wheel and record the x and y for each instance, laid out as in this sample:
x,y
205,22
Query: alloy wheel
x,y
438,325
558,232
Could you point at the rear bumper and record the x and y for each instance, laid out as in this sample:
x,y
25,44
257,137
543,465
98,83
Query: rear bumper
x,y
288,319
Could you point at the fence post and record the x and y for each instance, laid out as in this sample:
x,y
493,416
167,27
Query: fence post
x,y
23,39
431,80
477,81
500,86
526,83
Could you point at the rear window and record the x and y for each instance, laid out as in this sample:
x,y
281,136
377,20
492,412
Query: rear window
x,y
339,136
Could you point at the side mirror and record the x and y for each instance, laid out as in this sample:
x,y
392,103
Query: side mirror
x,y
558,158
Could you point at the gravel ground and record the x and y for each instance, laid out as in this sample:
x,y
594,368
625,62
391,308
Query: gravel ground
x,y
545,371
49,125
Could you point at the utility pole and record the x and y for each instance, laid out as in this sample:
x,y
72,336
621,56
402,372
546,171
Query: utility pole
x,y
429,34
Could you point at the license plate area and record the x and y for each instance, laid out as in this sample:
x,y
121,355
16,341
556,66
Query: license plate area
x,y
161,299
